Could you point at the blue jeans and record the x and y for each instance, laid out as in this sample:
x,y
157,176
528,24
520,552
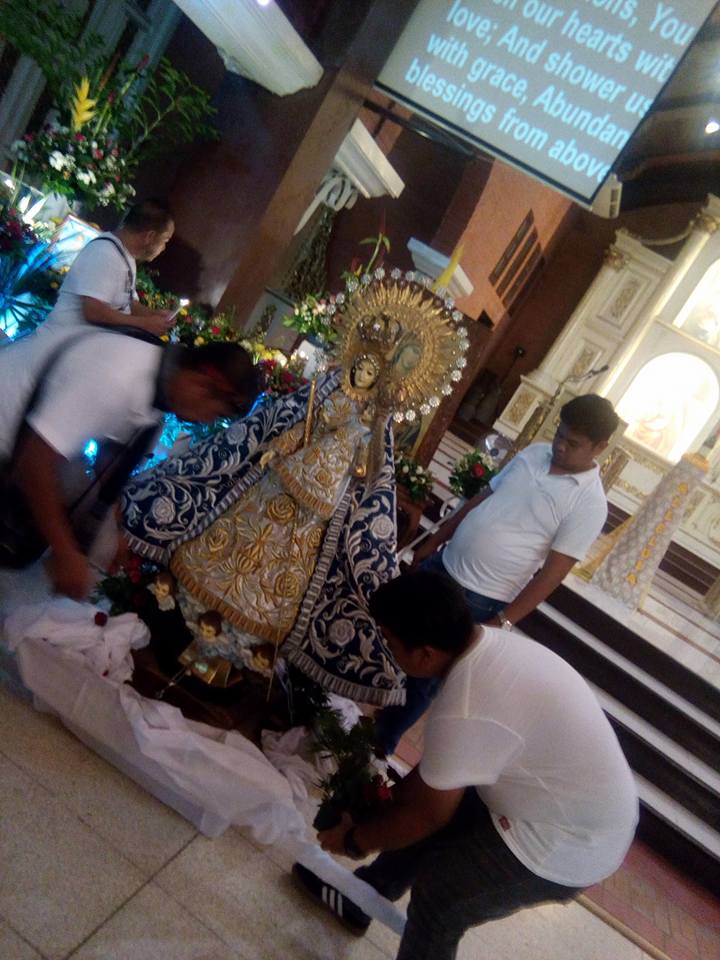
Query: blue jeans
x,y
392,722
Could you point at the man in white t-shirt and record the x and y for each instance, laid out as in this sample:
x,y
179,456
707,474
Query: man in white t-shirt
x,y
522,794
515,542
112,388
99,288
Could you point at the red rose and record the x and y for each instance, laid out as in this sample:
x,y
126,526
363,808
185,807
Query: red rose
x,y
101,618
384,793
478,470
215,330
80,137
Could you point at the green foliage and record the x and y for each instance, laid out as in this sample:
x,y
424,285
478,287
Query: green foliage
x,y
53,37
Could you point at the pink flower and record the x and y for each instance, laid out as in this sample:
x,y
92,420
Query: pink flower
x,y
80,137
98,154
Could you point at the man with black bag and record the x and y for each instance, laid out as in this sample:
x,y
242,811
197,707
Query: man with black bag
x,y
112,388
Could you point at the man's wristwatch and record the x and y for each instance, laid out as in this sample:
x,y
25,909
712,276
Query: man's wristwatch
x,y
350,846
505,624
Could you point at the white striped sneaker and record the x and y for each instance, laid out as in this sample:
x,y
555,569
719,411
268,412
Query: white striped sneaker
x,y
350,915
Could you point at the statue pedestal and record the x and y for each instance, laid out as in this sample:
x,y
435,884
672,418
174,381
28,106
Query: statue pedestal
x,y
241,708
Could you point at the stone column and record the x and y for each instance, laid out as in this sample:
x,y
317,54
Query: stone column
x,y
627,570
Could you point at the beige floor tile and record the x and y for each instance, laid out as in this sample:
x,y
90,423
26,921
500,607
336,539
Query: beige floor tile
x,y
235,886
553,930
142,828
13,947
153,926
59,879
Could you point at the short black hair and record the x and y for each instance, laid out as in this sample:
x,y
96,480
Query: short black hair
x,y
592,416
232,362
147,215
424,609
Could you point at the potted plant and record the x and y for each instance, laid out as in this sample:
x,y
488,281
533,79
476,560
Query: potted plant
x,y
415,480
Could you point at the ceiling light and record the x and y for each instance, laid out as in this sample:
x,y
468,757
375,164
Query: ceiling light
x,y
712,126
263,3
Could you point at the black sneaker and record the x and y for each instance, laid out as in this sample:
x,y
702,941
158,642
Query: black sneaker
x,y
350,915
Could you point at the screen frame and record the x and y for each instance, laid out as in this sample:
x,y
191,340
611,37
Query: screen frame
x,y
487,148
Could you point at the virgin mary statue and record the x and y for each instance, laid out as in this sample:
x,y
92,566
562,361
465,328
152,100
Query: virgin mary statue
x,y
285,522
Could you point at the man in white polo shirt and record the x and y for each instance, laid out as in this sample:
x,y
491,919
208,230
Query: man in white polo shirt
x,y
516,541
522,794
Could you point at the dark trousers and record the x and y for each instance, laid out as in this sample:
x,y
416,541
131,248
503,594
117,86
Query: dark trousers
x,y
461,876
392,722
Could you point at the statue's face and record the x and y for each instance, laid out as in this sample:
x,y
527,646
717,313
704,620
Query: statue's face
x,y
162,590
207,631
364,374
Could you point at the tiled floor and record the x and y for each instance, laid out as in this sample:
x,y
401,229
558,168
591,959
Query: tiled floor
x,y
93,868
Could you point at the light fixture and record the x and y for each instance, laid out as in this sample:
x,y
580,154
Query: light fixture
x,y
263,3
184,302
712,126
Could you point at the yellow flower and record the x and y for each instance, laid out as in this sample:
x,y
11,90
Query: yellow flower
x,y
183,312
82,105
199,341
165,337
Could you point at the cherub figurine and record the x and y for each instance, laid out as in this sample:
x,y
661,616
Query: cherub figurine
x,y
164,588
204,657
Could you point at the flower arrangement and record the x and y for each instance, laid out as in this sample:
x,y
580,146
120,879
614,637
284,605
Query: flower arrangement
x,y
125,590
414,478
75,165
281,378
356,784
29,274
314,314
471,473
109,116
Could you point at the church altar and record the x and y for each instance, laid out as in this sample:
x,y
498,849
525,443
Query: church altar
x,y
650,326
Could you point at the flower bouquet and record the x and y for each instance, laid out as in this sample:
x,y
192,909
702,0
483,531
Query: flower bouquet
x,y
414,478
280,379
75,165
109,116
313,316
471,473
356,785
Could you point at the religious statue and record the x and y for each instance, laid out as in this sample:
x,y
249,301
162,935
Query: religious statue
x,y
294,525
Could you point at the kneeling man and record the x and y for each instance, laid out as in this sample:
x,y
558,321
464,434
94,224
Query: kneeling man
x,y
522,794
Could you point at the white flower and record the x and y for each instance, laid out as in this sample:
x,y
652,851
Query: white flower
x,y
406,469
58,160
86,176
418,470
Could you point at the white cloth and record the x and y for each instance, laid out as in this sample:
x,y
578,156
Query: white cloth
x,y
102,387
501,544
518,723
103,649
105,270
